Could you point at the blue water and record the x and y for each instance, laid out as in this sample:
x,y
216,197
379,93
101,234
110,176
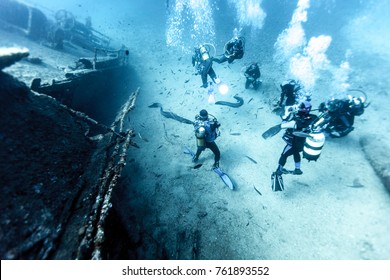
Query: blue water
x,y
283,28
331,46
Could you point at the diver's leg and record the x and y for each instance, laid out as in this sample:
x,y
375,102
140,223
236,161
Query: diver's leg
x,y
198,152
287,151
205,72
204,77
297,156
217,154
212,74
297,161
247,83
220,59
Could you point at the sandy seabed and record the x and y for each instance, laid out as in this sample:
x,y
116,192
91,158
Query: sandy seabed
x,y
338,209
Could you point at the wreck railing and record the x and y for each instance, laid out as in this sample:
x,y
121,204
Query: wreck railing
x,y
111,58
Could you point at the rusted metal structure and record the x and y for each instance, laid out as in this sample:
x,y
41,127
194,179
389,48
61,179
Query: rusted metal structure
x,y
57,30
98,69
86,68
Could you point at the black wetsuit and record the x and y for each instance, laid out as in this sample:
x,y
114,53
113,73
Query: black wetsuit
x,y
288,91
210,126
341,116
252,73
204,67
234,49
294,144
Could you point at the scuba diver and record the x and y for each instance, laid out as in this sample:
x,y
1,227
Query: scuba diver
x,y
289,89
252,73
338,115
234,49
206,131
299,121
203,64
294,93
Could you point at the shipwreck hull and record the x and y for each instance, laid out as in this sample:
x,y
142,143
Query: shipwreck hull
x,y
23,18
98,91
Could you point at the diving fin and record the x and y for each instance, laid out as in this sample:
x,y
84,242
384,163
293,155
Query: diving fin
x,y
277,182
225,178
271,131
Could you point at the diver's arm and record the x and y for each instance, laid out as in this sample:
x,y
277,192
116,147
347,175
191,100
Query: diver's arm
x,y
228,47
247,72
290,124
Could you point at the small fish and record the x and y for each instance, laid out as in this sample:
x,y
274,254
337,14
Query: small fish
x,y
250,100
257,191
235,133
198,166
155,105
186,81
356,184
251,159
142,138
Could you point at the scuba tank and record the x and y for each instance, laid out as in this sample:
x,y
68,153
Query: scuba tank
x,y
200,134
313,146
203,53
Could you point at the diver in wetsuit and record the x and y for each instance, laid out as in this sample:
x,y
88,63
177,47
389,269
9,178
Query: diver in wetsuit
x,y
234,49
294,93
203,64
339,115
289,89
252,73
299,121
206,131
